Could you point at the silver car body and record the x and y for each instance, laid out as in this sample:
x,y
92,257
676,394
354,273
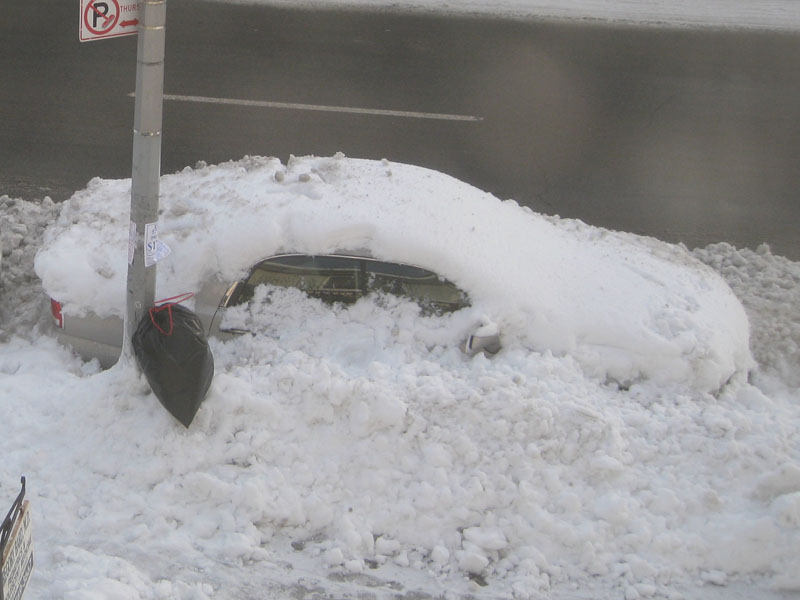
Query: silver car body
x,y
92,336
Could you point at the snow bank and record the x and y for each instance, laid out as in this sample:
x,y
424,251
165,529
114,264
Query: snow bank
x,y
624,306
22,225
355,453
769,289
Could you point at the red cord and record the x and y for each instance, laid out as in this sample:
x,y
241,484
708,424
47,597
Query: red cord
x,y
167,303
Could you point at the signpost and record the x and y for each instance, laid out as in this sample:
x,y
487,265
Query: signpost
x,y
16,549
101,19
143,243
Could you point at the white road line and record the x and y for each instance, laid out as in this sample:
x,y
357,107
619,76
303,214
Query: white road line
x,y
317,107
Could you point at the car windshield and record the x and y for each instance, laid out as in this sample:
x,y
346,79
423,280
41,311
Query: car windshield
x,y
345,279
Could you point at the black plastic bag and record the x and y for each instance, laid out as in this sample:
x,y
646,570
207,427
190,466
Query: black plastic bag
x,y
173,353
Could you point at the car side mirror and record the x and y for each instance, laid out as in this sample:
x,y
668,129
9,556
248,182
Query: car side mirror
x,y
485,338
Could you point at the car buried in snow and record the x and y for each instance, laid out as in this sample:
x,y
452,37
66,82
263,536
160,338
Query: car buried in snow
x,y
626,308
332,278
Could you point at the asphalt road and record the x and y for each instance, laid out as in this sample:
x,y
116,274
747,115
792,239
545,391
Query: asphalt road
x,y
690,136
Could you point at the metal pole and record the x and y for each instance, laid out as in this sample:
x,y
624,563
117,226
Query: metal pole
x,y
146,169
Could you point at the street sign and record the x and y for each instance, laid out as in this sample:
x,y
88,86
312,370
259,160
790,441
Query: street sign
x,y
16,549
101,19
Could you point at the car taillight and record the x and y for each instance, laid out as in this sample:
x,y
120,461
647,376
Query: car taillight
x,y
55,308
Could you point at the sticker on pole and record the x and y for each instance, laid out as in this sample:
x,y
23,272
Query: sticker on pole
x,y
154,248
101,19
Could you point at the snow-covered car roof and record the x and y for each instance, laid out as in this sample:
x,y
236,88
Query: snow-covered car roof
x,y
624,306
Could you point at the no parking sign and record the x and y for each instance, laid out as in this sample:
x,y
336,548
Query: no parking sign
x,y
100,19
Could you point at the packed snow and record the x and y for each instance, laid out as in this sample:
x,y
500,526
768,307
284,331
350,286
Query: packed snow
x,y
623,306
356,452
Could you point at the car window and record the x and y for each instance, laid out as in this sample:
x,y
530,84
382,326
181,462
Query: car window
x,y
329,278
431,292
346,279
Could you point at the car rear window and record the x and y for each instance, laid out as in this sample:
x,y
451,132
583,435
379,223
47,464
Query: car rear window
x,y
431,292
345,279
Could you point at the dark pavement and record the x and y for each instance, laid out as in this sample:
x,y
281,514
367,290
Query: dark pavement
x,y
688,135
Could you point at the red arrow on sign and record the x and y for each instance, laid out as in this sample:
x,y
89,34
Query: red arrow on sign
x,y
131,23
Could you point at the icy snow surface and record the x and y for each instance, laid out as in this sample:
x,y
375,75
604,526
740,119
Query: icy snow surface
x,y
356,453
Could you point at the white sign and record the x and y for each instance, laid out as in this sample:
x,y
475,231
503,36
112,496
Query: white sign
x,y
101,19
17,561
154,248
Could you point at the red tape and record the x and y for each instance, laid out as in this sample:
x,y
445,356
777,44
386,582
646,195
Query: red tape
x,y
167,304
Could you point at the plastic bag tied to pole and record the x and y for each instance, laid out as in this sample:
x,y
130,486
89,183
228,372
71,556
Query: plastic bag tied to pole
x,y
173,353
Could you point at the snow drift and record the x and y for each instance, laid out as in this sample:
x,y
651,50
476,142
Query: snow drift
x,y
626,307
353,452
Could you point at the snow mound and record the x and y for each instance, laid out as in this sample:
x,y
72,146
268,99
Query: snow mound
x,y
626,307
769,289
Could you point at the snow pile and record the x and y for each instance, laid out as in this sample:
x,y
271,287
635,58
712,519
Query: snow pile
x,y
355,452
769,287
22,225
624,306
